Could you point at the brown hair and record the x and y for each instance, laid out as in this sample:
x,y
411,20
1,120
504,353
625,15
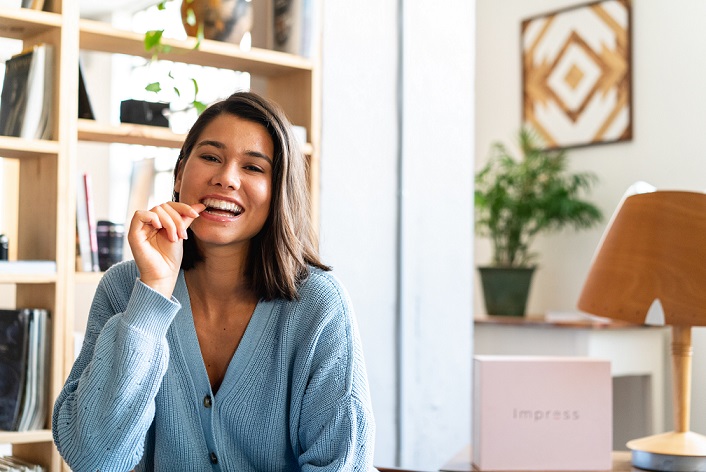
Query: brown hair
x,y
281,253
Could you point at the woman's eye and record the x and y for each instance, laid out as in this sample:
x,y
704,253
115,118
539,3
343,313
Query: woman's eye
x,y
209,157
254,168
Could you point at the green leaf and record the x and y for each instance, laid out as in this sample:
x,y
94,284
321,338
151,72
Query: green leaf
x,y
153,40
200,106
153,87
162,5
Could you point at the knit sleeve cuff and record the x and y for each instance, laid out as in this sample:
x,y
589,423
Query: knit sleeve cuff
x,y
149,311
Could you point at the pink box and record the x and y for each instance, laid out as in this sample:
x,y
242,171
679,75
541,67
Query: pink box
x,y
542,413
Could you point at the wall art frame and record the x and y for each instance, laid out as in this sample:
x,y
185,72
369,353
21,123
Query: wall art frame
x,y
577,74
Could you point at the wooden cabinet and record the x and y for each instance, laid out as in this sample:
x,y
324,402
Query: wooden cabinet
x,y
41,190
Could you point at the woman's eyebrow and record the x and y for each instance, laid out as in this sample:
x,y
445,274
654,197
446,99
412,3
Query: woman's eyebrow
x,y
210,142
260,155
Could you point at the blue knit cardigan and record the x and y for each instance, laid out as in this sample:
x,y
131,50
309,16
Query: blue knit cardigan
x,y
295,395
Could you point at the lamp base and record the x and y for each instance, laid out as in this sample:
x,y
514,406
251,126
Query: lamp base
x,y
670,452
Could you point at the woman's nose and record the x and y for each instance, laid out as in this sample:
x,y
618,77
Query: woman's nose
x,y
228,176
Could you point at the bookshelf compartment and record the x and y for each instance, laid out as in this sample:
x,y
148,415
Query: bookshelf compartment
x,y
37,208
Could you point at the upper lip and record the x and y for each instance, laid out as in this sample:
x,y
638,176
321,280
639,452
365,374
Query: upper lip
x,y
223,199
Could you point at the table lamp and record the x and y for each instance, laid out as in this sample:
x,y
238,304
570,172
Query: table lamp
x,y
654,253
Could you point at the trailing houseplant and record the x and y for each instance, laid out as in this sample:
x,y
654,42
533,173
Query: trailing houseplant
x,y
154,45
202,19
518,198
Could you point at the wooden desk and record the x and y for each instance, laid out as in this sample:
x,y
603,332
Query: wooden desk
x,y
633,350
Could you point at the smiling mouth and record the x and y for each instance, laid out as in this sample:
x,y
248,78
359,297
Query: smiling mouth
x,y
221,207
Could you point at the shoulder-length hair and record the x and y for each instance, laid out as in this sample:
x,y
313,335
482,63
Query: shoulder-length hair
x,y
281,253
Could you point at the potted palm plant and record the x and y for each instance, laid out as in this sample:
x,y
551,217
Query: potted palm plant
x,y
515,200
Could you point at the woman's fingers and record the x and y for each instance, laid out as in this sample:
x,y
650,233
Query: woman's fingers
x,y
181,216
170,221
172,217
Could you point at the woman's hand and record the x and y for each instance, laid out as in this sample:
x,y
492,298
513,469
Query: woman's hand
x,y
156,240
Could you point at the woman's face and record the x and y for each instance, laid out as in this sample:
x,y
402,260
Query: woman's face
x,y
230,171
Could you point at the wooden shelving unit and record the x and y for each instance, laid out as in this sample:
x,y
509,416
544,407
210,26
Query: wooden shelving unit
x,y
47,169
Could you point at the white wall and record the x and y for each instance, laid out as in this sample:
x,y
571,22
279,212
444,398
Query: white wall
x,y
398,231
669,101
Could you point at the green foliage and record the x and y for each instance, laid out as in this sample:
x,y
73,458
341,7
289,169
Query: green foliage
x,y
153,44
516,199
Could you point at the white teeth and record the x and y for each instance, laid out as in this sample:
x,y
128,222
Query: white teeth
x,y
221,205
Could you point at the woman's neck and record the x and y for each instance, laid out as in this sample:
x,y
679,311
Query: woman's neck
x,y
217,282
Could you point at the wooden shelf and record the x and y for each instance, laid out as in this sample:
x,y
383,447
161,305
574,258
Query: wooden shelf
x,y
90,130
27,278
21,23
97,36
125,133
41,435
20,147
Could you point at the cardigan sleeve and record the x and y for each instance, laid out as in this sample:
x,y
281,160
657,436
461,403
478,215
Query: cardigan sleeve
x,y
336,424
107,405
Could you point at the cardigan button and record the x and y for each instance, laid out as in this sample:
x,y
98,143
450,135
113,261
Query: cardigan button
x,y
207,402
214,458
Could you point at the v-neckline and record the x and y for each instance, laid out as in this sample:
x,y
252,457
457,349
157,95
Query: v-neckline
x,y
239,362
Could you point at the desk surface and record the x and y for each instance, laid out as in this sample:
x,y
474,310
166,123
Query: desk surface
x,y
461,462
576,322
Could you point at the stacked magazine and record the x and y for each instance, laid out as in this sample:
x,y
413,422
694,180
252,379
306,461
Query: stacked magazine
x,y
24,370
12,464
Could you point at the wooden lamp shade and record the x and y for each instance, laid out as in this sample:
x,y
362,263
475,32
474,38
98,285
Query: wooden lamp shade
x,y
654,252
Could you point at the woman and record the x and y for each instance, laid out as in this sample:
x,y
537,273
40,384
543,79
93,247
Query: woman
x,y
226,344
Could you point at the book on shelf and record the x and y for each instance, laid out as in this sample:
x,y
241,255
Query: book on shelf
x,y
293,23
14,341
26,101
43,267
84,258
141,190
24,371
37,5
86,225
85,110
33,4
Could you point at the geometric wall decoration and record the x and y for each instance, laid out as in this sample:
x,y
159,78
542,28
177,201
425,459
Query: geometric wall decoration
x,y
576,77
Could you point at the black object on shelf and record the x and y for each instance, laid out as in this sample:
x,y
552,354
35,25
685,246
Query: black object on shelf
x,y
144,113
4,247
110,243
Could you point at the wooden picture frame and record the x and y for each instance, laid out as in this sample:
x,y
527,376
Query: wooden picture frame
x,y
577,75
